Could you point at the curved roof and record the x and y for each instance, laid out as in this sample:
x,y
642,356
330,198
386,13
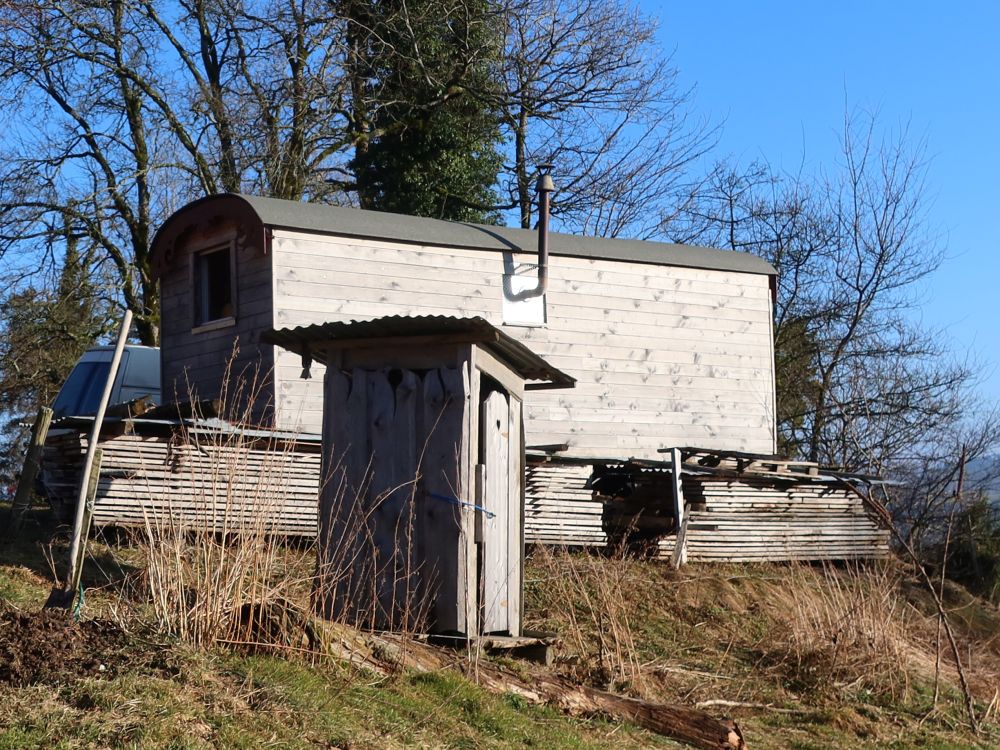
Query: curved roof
x,y
354,222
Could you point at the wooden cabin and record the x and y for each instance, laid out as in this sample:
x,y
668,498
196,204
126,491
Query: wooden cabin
x,y
669,344
421,517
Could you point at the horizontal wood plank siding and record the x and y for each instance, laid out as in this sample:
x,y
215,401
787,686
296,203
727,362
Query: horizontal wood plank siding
x,y
664,355
193,363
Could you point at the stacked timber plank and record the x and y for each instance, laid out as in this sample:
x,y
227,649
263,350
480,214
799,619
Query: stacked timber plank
x,y
763,511
739,508
764,518
223,481
560,508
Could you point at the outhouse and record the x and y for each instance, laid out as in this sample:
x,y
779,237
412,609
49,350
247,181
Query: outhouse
x,y
421,502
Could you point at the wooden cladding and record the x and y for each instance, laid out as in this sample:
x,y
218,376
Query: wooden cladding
x,y
420,517
393,530
663,355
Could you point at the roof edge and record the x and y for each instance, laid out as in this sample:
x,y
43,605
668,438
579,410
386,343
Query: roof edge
x,y
255,213
202,215
398,328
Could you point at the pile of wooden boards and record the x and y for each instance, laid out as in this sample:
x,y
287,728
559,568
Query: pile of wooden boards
x,y
560,508
161,474
737,510
760,518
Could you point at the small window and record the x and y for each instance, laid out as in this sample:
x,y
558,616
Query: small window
x,y
213,286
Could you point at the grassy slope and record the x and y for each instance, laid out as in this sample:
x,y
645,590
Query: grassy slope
x,y
701,634
237,701
785,639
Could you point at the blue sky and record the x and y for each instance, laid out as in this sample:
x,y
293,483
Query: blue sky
x,y
779,75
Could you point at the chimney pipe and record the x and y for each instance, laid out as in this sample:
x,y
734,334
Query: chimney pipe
x,y
544,187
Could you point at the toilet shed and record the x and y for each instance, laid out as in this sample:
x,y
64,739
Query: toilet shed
x,y
421,502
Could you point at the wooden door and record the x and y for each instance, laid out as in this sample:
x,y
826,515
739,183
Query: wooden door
x,y
496,575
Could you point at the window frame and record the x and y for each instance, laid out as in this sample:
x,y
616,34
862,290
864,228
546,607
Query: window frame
x,y
215,245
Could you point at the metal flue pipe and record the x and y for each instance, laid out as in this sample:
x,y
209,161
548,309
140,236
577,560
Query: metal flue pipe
x,y
544,187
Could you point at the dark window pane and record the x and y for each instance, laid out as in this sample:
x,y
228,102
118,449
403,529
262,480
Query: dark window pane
x,y
213,286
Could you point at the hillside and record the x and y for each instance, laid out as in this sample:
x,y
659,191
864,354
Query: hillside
x,y
802,657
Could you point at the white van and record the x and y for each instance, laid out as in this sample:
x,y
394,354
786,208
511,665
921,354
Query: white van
x,y
138,376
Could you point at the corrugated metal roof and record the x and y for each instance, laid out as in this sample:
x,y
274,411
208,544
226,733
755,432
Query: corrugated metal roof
x,y
355,222
477,330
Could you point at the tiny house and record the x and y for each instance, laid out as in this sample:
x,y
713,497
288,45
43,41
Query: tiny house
x,y
421,512
669,344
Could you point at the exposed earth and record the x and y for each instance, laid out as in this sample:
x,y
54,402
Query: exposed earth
x,y
49,647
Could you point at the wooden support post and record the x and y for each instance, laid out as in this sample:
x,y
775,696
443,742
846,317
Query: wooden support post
x,y
68,594
680,546
679,557
88,514
26,483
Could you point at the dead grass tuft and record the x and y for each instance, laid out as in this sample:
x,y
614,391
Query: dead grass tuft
x,y
593,593
843,626
214,570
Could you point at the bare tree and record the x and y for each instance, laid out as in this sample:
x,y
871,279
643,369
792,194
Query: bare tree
x,y
926,497
122,110
586,87
860,382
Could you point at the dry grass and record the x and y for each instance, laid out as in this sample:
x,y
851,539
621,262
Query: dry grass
x,y
827,637
593,594
843,626
211,568
218,570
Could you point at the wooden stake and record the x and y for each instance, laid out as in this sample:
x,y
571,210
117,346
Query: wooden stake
x,y
88,514
677,485
26,483
81,501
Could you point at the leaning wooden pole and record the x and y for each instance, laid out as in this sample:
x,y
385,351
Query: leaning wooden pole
x,y
26,483
88,463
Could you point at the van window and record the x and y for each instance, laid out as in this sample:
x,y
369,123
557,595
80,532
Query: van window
x,y
81,394
213,285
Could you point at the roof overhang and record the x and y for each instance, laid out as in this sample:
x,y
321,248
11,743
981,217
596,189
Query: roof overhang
x,y
204,216
314,342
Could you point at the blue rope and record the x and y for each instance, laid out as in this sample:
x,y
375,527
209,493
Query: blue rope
x,y
79,604
456,501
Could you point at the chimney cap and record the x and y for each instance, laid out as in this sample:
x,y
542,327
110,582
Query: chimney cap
x,y
545,183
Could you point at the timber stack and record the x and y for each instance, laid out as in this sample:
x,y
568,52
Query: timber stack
x,y
737,507
189,471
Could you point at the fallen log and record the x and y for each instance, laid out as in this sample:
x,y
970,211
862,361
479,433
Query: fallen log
x,y
389,653
690,725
